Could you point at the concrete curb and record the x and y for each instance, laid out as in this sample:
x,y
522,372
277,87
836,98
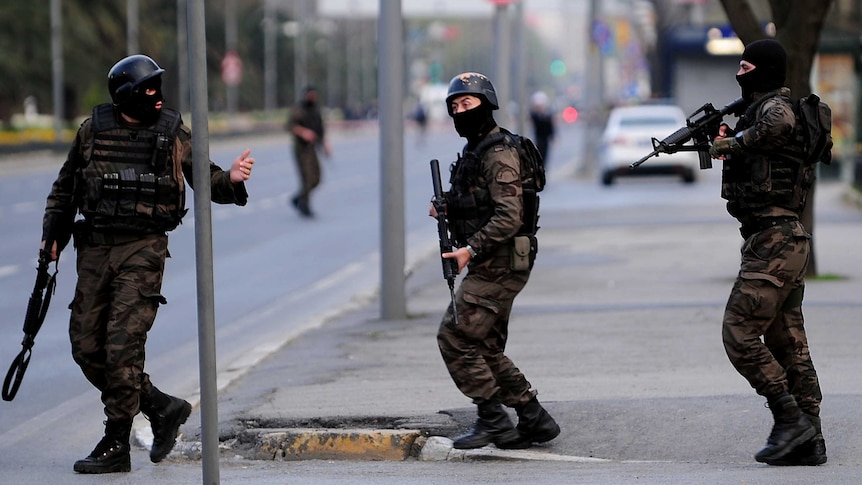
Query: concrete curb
x,y
331,444
296,444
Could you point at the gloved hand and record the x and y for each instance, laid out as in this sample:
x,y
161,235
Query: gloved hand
x,y
724,146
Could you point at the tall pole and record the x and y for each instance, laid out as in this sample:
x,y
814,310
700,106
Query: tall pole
x,y
521,67
353,97
132,16
183,55
300,77
390,43
230,31
597,80
502,61
595,91
57,67
203,243
269,58
333,77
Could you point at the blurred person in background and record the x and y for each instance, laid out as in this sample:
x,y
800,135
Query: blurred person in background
x,y
305,123
542,119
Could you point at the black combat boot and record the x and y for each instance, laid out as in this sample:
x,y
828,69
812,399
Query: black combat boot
x,y
493,426
166,414
535,425
111,455
810,453
790,430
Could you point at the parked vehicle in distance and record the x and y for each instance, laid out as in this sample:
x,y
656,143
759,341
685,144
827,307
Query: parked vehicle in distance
x,y
628,137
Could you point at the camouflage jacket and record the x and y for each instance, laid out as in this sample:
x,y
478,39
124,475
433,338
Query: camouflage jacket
x,y
498,180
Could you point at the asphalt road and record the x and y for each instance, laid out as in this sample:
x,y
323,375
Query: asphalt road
x,y
284,280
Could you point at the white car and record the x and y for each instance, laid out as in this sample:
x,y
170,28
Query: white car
x,y
628,137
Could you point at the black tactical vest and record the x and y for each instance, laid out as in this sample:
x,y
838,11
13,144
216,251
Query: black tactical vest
x,y
133,185
469,202
753,180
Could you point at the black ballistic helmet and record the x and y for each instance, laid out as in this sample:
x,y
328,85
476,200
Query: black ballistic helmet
x,y
472,83
128,74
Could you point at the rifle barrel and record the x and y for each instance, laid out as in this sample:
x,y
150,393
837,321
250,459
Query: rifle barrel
x,y
644,159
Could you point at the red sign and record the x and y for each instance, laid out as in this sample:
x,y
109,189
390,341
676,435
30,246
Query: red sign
x,y
231,69
502,3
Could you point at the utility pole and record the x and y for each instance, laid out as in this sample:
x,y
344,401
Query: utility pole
x,y
132,22
595,89
57,67
230,30
390,45
502,59
521,67
270,61
183,55
300,48
203,244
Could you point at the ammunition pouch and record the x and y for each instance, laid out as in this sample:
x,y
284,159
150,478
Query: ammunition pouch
x,y
523,254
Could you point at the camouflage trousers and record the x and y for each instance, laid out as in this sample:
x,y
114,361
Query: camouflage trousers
x,y
763,328
473,351
308,166
115,304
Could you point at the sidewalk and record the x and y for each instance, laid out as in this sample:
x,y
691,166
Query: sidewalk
x,y
618,330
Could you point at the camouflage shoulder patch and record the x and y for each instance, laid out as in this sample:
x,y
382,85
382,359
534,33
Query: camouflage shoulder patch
x,y
507,176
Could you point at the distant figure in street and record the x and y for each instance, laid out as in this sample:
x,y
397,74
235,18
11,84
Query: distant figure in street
x,y
305,123
543,123
421,118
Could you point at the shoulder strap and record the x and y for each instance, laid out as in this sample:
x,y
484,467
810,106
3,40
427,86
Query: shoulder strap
x,y
169,123
103,117
503,136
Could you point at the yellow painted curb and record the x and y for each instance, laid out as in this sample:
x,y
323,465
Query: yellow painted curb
x,y
334,444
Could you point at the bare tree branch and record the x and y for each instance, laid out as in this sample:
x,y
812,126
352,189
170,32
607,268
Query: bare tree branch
x,y
743,20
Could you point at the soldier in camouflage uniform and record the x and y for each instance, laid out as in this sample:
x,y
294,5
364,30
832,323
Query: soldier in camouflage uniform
x,y
765,180
305,123
125,174
485,210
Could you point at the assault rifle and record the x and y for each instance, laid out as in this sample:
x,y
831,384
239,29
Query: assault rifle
x,y
450,265
37,308
701,127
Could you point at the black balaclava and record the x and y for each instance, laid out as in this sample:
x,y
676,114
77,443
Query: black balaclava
x,y
142,107
770,68
309,97
475,123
